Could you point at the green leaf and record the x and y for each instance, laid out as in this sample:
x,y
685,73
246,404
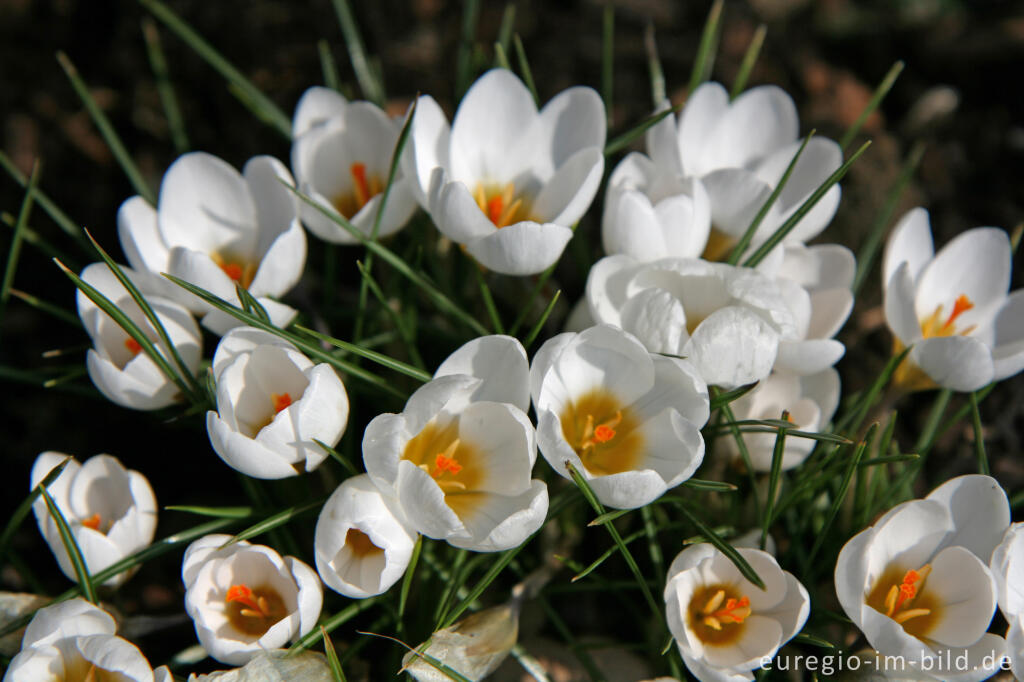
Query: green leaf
x,y
19,234
279,519
110,136
368,83
717,486
71,545
524,67
242,87
492,310
327,65
216,512
749,59
654,66
721,398
979,435
804,209
880,92
63,221
608,58
773,478
330,624
840,495
14,522
338,457
332,657
410,571
532,336
625,139
464,71
725,548
379,358
708,45
813,641
157,61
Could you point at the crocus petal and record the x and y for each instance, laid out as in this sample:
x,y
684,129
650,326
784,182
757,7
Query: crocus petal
x,y
1008,349
733,347
126,390
317,105
959,363
736,195
657,319
574,120
501,365
756,123
977,264
67,619
270,184
980,511
245,454
500,522
661,142
524,248
458,216
910,242
968,595
197,268
282,264
607,287
140,237
703,112
429,139
568,194
243,340
899,306
808,357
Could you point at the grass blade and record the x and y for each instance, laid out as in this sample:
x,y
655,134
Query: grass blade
x,y
16,239
654,66
60,217
716,486
725,397
368,83
157,61
331,624
749,59
110,136
979,436
464,58
332,657
625,139
804,209
844,486
71,545
725,548
26,505
241,87
608,58
403,597
327,65
880,92
508,24
708,45
374,356
532,336
396,318
773,479
47,307
215,512
524,67
485,293
280,518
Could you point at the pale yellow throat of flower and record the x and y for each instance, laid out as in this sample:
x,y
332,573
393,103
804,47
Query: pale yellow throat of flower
x,y
603,432
253,610
909,376
720,245
717,614
364,188
501,205
455,464
278,402
899,594
237,269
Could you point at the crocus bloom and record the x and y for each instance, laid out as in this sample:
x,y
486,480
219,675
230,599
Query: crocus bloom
x,y
458,461
74,640
739,150
810,402
474,646
953,307
917,582
1007,567
117,365
272,404
729,321
217,229
504,180
247,598
628,421
362,547
341,157
724,625
111,511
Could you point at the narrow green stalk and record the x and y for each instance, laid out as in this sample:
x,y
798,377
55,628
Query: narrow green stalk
x,y
106,129
464,58
327,65
927,437
773,480
508,24
396,317
724,547
730,419
330,624
374,356
60,217
525,310
16,239
275,520
501,57
658,93
31,236
622,141
492,310
524,67
48,308
608,59
332,657
157,62
368,83
532,336
880,92
749,59
410,572
708,45
14,522
71,546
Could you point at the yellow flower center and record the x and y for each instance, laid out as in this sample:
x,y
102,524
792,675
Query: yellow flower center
x,y
717,614
278,402
237,269
96,523
720,245
364,188
898,595
501,205
253,611
360,543
454,464
908,375
603,433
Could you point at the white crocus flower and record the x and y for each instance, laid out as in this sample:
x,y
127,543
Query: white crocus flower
x,y
917,582
272,404
651,212
341,157
810,402
729,321
362,547
739,150
117,365
1007,566
111,511
216,228
247,598
724,625
953,307
459,457
627,420
72,641
505,180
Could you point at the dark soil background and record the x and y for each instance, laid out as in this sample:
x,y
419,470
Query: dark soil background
x,y
960,93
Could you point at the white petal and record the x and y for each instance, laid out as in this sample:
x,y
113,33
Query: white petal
x,y
197,268
543,360
628,489
459,217
736,195
277,206
910,242
72,618
427,148
607,287
499,362
317,105
733,347
964,587
758,122
899,306
959,363
703,112
311,594
662,142
282,264
126,390
976,264
980,511
608,358
245,454
523,248
501,522
1008,349
657,319
140,237
574,120
568,194
808,357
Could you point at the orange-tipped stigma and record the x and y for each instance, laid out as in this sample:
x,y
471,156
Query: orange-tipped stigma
x,y
92,522
281,401
255,606
133,346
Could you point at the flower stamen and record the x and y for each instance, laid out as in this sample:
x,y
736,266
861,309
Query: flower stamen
x,y
281,401
92,522
254,605
446,462
899,595
501,207
236,270
734,611
601,433
133,346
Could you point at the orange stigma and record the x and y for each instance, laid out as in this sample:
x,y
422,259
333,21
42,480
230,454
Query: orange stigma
x,y
133,346
446,462
960,306
602,433
500,205
732,611
255,606
361,186
92,522
280,401
495,206
906,591
232,270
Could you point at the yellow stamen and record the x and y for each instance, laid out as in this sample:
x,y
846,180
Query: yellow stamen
x,y
734,611
256,606
903,600
501,205
717,613
909,376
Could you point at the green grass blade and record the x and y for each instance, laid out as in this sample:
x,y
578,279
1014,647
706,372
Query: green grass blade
x,y
241,86
338,457
312,350
708,46
60,217
327,65
749,59
31,236
725,548
504,559
71,545
275,520
524,67
876,98
748,236
14,522
625,139
773,479
741,445
501,57
403,597
525,310
804,209
379,358
867,401
331,624
608,58
844,486
110,135
215,512
508,25
368,82
979,436
48,308
532,336
332,657
725,397
716,486
658,93
869,249
395,315
16,239
485,293
464,59
157,61
653,548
